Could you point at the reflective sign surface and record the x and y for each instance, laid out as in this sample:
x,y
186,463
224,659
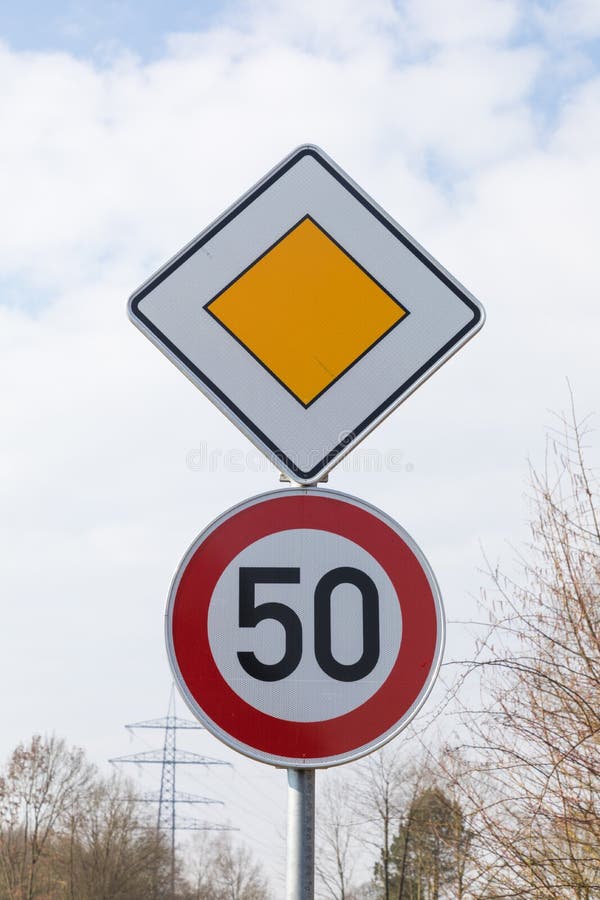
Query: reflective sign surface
x,y
306,314
304,628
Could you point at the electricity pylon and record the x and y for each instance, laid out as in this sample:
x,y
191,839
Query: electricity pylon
x,y
169,757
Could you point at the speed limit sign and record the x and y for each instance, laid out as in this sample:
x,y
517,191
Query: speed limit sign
x,y
304,628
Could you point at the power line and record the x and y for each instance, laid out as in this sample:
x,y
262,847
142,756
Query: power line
x,y
169,757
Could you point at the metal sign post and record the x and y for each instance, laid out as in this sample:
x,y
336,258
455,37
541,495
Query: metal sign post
x,y
300,881
304,627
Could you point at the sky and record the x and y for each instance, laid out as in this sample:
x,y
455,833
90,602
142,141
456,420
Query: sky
x,y
126,129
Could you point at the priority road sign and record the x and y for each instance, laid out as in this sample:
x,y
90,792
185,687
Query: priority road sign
x,y
306,314
304,628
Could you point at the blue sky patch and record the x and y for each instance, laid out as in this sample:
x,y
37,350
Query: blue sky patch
x,y
86,28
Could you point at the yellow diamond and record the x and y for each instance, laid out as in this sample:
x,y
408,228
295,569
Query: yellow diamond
x,y
306,310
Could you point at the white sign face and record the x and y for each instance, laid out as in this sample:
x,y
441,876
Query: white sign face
x,y
306,314
304,628
313,553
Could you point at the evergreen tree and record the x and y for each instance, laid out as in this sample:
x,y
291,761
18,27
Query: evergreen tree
x,y
428,853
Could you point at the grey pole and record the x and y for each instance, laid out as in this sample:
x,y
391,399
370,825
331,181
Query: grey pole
x,y
300,884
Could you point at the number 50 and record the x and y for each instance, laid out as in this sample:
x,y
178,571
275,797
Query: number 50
x,y
250,615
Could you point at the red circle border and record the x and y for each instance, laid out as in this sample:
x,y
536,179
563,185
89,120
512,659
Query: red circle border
x,y
219,705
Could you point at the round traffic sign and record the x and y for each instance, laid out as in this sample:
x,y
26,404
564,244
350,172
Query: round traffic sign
x,y
304,627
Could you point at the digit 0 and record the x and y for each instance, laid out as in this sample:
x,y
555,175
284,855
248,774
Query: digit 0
x,y
370,624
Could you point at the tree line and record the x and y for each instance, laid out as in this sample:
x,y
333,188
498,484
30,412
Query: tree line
x,y
68,833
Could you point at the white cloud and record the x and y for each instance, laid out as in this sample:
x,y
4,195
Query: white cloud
x,y
334,30
489,21
570,19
